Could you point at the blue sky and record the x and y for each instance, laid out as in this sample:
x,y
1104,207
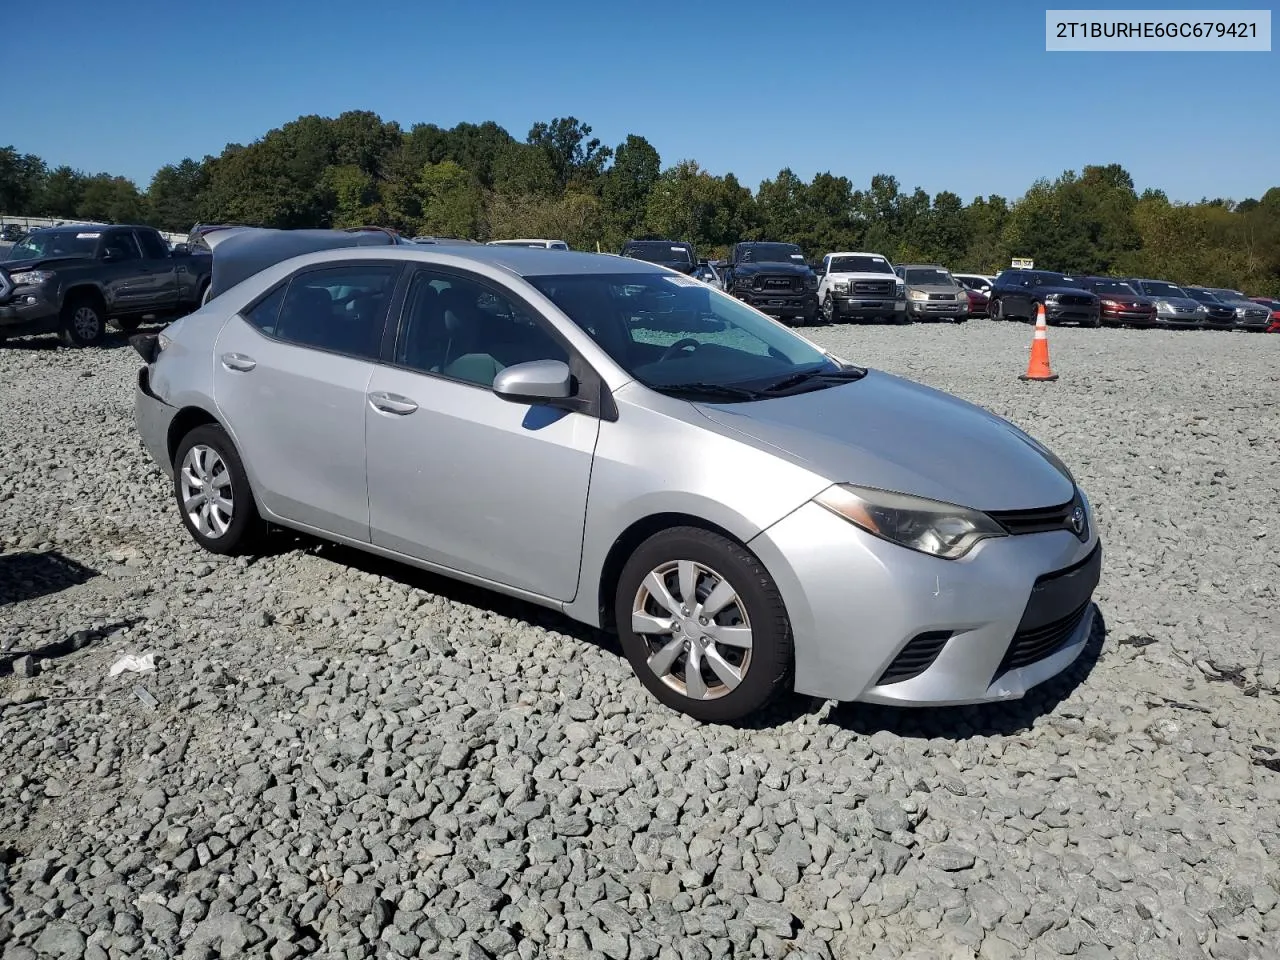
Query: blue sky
x,y
941,95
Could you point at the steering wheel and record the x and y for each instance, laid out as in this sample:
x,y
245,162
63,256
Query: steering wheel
x,y
687,343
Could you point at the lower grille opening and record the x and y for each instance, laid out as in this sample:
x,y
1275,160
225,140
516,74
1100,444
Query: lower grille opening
x,y
916,657
1029,646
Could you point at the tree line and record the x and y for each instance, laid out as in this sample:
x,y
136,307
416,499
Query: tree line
x,y
480,182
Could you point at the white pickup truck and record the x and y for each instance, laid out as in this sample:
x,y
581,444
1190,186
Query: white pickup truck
x,y
860,286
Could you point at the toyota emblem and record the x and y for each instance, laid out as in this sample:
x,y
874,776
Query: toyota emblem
x,y
1077,521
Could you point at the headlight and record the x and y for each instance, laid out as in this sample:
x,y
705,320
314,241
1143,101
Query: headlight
x,y
1052,298
811,282
1240,311
927,526
1201,308
919,295
841,286
30,277
900,291
1164,305
742,283
162,341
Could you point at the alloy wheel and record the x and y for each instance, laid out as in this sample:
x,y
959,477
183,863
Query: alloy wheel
x,y
207,496
86,322
696,628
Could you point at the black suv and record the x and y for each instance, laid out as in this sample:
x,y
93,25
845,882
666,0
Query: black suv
x,y
674,254
1017,294
774,278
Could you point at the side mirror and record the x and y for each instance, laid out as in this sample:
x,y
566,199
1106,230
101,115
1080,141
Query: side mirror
x,y
181,249
535,381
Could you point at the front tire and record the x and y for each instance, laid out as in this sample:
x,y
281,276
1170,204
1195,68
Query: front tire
x,y
703,625
829,312
84,322
213,495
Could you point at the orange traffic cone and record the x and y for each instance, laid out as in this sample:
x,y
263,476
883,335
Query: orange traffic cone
x,y
1038,365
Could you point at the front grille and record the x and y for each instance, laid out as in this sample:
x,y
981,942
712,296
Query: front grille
x,y
1075,300
881,288
1058,602
942,296
1187,310
916,657
776,283
1040,519
1028,646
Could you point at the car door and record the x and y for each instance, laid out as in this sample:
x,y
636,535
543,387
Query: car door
x,y
158,278
458,476
290,377
122,272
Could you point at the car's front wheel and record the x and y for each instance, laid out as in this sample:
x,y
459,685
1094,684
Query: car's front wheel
x,y
213,495
829,312
84,322
703,625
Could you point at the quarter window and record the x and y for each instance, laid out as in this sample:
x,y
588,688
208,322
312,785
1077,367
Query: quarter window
x,y
266,311
341,309
465,330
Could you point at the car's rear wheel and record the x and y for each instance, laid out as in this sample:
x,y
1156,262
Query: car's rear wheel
x,y
703,625
213,494
995,311
83,322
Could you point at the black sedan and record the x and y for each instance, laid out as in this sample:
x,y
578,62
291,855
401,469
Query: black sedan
x,y
1219,315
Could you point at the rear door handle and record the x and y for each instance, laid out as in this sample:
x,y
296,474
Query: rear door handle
x,y
392,403
238,362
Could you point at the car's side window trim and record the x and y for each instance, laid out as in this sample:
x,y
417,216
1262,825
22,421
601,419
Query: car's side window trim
x,y
593,396
389,310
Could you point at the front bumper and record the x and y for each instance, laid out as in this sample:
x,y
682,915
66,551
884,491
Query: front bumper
x,y
1135,317
1222,322
868,308
941,309
857,603
1070,313
784,303
28,312
152,418
1168,319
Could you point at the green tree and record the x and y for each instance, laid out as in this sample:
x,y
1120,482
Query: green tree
x,y
22,179
625,188
111,199
63,190
452,201
173,197
575,155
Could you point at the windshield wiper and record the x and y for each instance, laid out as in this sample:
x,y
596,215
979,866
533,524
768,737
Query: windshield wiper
x,y
707,390
840,375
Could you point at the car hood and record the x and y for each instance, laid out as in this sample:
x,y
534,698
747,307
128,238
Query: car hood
x,y
33,263
1176,301
933,288
790,269
893,434
1140,299
844,275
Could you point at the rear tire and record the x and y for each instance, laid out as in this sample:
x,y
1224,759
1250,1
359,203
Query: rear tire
x,y
84,322
718,668
213,495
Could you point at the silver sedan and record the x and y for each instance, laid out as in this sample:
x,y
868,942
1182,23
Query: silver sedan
x,y
625,444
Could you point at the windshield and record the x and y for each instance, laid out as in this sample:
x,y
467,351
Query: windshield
x,y
770,253
1159,288
1228,295
930,276
668,331
859,265
1204,296
658,252
1054,280
55,243
1114,286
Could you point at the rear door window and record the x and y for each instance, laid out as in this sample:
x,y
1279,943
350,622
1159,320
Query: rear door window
x,y
341,309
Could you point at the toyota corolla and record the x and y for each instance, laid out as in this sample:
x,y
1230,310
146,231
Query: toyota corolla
x,y
627,445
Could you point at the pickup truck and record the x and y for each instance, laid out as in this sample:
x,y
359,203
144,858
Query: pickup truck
x,y
860,286
69,280
774,278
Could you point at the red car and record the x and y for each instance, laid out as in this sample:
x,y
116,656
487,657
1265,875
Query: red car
x,y
1120,304
1274,307
978,303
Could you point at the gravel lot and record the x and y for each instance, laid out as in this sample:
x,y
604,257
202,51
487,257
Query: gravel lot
x,y
346,758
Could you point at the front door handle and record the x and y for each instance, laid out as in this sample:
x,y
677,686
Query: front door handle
x,y
238,362
392,403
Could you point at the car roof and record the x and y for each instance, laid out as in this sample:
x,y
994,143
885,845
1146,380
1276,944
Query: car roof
x,y
241,253
930,266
